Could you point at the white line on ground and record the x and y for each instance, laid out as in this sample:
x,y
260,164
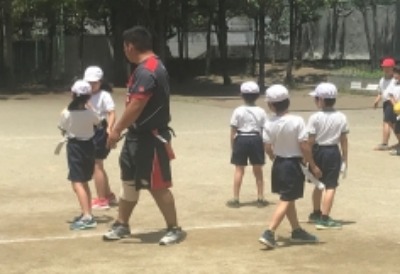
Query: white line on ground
x,y
93,235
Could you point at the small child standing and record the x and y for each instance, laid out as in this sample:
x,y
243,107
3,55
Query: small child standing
x,y
327,129
246,142
385,84
77,123
103,104
285,138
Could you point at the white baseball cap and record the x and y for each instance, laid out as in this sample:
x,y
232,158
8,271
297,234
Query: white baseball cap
x,y
325,91
249,87
276,93
93,74
81,87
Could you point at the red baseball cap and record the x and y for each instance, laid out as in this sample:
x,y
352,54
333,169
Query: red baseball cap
x,y
388,62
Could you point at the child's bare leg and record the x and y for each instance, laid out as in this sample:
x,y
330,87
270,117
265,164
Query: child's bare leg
x,y
278,215
291,214
316,199
101,180
387,128
237,181
327,201
258,174
83,194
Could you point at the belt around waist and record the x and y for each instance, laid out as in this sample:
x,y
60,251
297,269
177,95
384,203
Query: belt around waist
x,y
251,133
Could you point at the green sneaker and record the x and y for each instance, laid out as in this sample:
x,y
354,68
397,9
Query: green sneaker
x,y
234,203
301,236
314,217
83,223
328,224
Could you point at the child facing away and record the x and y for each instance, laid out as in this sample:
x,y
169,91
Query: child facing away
x,y
102,103
327,128
394,97
385,85
246,142
286,144
77,123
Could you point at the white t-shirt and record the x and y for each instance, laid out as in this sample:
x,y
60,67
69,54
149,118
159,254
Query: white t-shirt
x,y
394,90
384,87
249,119
327,126
102,103
285,133
79,124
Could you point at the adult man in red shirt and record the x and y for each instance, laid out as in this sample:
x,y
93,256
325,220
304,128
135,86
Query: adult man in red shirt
x,y
146,153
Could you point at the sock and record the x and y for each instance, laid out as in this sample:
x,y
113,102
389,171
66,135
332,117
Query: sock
x,y
86,217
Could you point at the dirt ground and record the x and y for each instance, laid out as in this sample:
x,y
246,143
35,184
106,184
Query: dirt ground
x,y
37,201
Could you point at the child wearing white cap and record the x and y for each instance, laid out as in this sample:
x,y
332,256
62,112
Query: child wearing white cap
x,y
327,128
77,123
103,104
246,142
286,145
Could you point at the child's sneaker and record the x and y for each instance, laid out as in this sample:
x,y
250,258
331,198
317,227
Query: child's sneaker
x,y
100,203
173,236
262,203
112,199
268,239
83,223
314,217
234,203
328,224
301,236
118,231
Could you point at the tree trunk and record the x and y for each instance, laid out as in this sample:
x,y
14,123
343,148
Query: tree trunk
x,y
328,37
375,40
81,44
261,75
162,29
254,48
335,24
223,41
368,36
396,39
208,42
185,28
299,43
8,45
51,19
292,36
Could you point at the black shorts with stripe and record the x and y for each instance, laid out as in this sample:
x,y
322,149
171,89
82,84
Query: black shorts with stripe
x,y
287,178
145,160
329,161
81,157
248,148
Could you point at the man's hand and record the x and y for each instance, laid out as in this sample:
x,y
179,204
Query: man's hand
x,y
113,139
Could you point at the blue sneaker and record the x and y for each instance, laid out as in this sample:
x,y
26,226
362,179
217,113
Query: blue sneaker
x,y
83,223
268,239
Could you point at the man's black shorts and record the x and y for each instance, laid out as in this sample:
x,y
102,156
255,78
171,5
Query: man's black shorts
x,y
248,149
287,178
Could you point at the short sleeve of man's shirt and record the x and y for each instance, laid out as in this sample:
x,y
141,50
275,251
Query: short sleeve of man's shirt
x,y
302,131
311,125
235,118
143,85
108,102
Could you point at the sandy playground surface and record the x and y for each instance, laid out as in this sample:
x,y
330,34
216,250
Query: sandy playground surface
x,y
37,201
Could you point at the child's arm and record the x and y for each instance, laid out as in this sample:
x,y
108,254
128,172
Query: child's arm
x,y
344,147
269,151
233,134
110,120
308,158
377,100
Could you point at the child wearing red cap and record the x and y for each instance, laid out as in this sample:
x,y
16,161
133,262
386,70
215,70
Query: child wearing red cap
x,y
389,118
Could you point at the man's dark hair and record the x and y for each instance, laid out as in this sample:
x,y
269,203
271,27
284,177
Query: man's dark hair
x,y
140,37
250,99
396,69
281,106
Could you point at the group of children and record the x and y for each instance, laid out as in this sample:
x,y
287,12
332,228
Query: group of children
x,y
290,144
86,123
389,94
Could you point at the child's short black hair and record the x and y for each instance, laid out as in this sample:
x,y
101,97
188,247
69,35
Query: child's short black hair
x,y
106,86
396,69
140,37
281,106
251,98
78,102
329,102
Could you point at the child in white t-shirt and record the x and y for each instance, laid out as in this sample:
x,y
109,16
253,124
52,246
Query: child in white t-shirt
x,y
103,104
246,141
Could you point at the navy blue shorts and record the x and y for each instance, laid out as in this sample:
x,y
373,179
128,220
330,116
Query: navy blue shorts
x,y
329,161
100,142
145,160
388,113
287,178
80,156
248,149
